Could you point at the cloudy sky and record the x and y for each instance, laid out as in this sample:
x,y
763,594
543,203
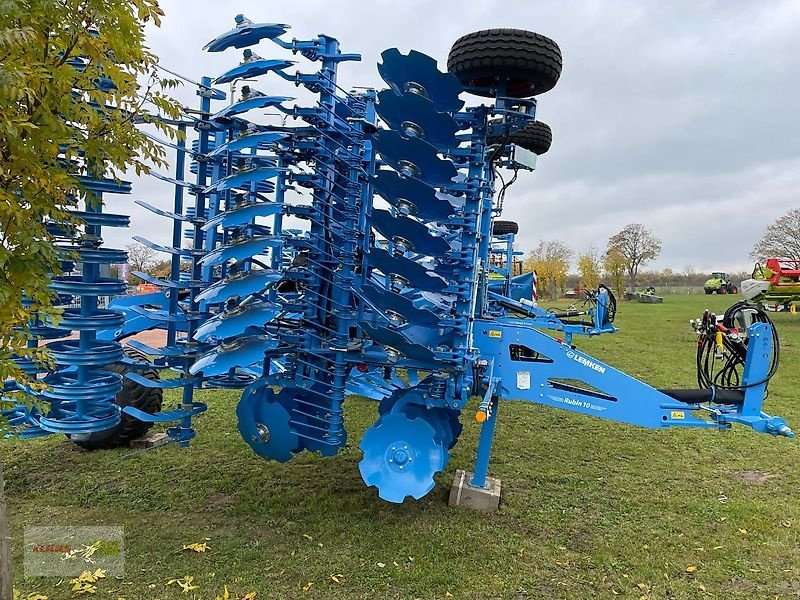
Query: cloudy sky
x,y
681,115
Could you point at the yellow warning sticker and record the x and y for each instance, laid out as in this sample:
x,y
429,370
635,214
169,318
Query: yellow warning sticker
x,y
494,333
678,414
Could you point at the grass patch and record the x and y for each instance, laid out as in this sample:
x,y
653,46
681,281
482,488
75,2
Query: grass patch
x,y
590,508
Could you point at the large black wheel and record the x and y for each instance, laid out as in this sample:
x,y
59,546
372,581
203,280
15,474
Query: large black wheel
x,y
132,394
528,62
504,227
534,136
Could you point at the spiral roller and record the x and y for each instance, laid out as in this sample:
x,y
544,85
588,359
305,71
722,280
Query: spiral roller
x,y
80,394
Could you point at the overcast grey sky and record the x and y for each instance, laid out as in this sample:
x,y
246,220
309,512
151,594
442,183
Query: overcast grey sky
x,y
680,115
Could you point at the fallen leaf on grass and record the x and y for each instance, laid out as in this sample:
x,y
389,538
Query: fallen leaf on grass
x,y
185,584
225,595
307,586
743,531
36,597
85,582
381,565
249,596
691,569
308,537
337,578
197,547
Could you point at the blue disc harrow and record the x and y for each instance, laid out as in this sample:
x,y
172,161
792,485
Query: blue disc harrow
x,y
349,244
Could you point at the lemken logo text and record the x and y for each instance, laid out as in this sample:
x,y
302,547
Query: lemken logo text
x,y
585,362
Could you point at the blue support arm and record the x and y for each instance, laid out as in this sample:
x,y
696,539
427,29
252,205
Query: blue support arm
x,y
534,367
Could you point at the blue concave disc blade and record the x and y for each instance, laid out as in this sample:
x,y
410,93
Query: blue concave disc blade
x,y
253,68
240,285
401,456
412,196
414,157
245,35
241,352
387,300
242,179
264,420
416,116
244,214
246,142
239,251
393,338
234,322
419,72
412,234
250,104
414,273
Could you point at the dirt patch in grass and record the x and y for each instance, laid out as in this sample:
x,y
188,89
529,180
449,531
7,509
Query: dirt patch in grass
x,y
220,500
753,477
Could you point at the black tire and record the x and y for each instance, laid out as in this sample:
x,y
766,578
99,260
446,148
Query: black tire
x,y
734,290
534,136
504,227
529,62
708,292
132,394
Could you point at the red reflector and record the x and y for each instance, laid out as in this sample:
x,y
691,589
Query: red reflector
x,y
362,368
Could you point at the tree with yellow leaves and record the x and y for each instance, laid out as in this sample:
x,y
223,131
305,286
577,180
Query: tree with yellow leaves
x,y
551,261
70,94
614,264
590,268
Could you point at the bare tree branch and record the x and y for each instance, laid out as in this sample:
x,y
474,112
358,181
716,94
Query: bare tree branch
x,y
781,239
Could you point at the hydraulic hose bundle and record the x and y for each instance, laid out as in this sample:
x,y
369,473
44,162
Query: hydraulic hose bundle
x,y
722,347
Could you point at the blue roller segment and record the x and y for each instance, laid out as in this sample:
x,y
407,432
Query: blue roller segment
x,y
237,320
411,234
241,285
419,73
414,157
242,352
416,116
242,179
252,69
244,214
246,33
411,196
239,250
401,456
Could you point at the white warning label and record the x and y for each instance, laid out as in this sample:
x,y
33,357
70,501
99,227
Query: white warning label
x,y
523,380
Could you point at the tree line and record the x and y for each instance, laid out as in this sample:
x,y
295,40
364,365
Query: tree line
x,y
620,265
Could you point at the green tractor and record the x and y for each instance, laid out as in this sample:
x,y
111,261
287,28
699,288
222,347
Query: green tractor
x,y
720,284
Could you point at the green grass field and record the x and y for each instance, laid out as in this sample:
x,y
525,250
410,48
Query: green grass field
x,y
590,509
